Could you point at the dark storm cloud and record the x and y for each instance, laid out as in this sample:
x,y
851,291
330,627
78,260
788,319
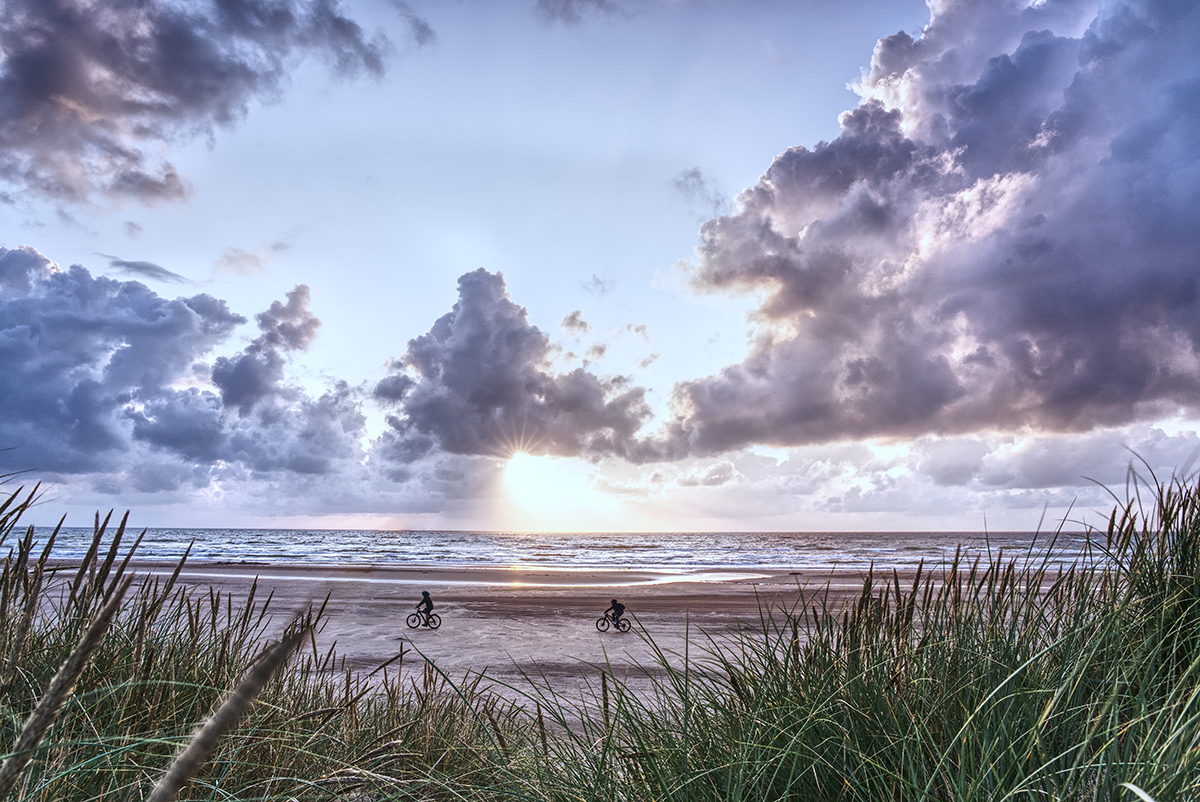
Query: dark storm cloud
x,y
20,268
286,431
94,375
480,383
144,269
256,374
1006,234
305,436
89,90
76,351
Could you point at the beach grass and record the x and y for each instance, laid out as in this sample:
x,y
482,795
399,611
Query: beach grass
x,y
317,730
983,679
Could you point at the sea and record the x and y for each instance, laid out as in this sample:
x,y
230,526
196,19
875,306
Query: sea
x,y
665,552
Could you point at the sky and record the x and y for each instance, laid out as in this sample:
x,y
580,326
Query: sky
x,y
599,265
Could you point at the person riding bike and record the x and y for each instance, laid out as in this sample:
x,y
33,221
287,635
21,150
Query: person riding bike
x,y
617,609
426,603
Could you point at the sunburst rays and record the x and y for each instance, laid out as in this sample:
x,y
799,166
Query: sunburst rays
x,y
511,440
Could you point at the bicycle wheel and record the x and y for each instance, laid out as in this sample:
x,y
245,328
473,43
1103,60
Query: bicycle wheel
x,y
623,625
602,623
434,621
413,620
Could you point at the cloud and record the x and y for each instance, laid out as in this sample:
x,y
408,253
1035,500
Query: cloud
x,y
21,267
242,262
700,192
144,270
575,12
480,383
104,377
1003,482
711,476
257,372
599,286
420,29
1003,237
92,91
575,324
78,351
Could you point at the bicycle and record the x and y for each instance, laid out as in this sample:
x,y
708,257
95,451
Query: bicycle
x,y
433,621
606,620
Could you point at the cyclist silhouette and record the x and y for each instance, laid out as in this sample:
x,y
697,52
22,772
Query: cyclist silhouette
x,y
425,602
424,616
617,611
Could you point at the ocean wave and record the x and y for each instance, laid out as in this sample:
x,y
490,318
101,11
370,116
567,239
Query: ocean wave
x,y
674,552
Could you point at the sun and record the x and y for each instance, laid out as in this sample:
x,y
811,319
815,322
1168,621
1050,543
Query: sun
x,y
554,494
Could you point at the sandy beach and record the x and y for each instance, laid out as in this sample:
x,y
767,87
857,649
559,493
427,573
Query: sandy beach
x,y
513,622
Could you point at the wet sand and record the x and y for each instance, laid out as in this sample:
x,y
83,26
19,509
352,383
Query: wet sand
x,y
522,621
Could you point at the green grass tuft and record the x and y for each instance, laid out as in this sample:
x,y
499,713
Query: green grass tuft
x,y
976,681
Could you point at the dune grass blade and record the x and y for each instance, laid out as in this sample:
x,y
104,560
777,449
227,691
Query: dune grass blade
x,y
13,507
58,692
22,630
226,716
1142,795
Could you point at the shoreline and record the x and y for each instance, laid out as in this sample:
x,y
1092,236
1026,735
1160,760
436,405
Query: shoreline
x,y
512,577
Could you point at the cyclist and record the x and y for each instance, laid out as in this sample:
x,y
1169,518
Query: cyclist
x,y
425,605
617,611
